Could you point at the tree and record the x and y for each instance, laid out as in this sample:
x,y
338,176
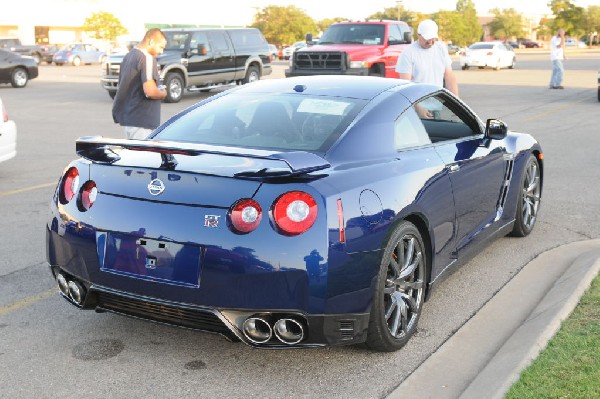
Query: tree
x,y
104,26
451,27
395,13
323,24
472,29
568,16
284,25
506,24
592,23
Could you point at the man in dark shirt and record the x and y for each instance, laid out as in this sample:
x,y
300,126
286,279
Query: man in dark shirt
x,y
137,103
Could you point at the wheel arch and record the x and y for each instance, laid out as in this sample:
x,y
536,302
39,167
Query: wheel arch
x,y
420,222
175,69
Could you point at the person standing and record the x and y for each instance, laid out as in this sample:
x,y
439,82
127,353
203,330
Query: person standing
x,y
557,56
426,60
136,106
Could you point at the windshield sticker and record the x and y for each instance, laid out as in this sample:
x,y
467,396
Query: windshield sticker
x,y
327,107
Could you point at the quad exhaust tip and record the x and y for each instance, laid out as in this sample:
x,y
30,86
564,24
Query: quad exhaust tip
x,y
63,284
289,331
258,330
71,289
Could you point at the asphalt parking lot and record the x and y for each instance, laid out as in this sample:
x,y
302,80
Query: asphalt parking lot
x,y
49,349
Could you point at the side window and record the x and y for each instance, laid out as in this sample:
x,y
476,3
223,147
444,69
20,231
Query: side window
x,y
199,38
409,131
219,41
394,34
444,119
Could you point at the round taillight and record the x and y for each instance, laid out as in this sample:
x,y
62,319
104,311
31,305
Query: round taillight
x,y
245,216
294,212
88,195
70,182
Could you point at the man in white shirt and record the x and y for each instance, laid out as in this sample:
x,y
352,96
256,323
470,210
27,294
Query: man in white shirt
x,y
557,55
426,60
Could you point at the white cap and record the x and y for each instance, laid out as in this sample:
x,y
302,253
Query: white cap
x,y
428,29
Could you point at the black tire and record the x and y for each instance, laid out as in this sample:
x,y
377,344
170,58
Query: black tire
x,y
400,291
252,75
175,87
465,67
19,77
512,65
377,70
529,198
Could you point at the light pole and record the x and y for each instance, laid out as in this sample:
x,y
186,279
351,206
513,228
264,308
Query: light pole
x,y
399,4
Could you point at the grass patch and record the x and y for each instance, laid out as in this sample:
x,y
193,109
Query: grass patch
x,y
570,366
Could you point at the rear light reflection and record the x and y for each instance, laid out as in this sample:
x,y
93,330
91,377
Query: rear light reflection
x,y
70,183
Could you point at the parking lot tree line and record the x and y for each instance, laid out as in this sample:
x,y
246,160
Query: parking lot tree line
x,y
284,25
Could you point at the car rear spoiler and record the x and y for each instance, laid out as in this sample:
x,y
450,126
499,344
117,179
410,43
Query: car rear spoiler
x,y
100,149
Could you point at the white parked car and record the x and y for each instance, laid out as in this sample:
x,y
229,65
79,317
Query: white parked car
x,y
488,54
575,43
288,51
8,135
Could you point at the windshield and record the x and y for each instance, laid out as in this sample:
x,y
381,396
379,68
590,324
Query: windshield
x,y
354,34
281,122
176,40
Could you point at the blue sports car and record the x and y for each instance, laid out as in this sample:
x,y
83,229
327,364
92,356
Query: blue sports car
x,y
293,212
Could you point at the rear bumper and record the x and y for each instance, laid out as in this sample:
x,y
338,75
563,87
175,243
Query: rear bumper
x,y
318,329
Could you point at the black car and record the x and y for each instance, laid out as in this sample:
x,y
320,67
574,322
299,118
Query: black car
x,y
48,51
16,69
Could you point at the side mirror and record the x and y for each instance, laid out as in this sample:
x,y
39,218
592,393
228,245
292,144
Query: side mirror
x,y
408,37
309,39
495,129
199,50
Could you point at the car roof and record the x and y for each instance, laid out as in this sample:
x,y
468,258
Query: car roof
x,y
361,87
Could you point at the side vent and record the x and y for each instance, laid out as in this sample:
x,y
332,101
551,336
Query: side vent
x,y
346,329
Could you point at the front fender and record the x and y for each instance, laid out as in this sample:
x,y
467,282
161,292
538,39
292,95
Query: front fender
x,y
178,68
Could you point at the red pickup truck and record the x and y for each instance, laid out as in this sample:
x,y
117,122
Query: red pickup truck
x,y
353,48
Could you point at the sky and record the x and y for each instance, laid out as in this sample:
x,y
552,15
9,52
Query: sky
x,y
241,12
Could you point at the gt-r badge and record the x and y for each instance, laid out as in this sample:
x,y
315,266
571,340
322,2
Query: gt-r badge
x,y
156,187
211,220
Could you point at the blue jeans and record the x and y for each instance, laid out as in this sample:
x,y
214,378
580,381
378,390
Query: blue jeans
x,y
557,73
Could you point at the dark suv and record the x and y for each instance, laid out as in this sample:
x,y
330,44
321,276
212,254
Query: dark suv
x,y
202,59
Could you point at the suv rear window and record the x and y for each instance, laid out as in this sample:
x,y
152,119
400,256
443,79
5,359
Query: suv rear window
x,y
244,38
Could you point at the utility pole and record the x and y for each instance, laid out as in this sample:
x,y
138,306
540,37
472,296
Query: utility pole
x,y
399,4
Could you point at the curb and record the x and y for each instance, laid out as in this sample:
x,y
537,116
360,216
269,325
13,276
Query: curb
x,y
488,353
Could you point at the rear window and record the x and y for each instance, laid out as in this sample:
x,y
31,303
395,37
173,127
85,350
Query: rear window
x,y
247,38
280,122
481,46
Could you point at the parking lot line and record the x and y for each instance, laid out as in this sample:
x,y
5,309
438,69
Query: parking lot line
x,y
30,300
22,190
